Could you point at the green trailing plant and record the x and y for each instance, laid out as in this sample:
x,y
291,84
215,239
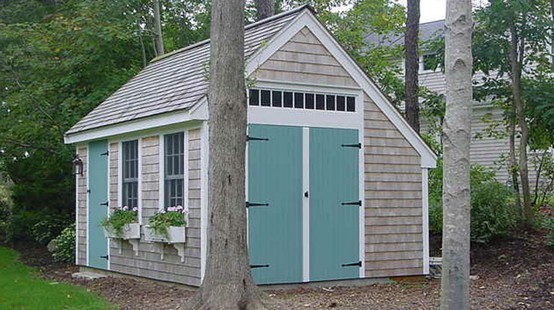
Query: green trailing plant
x,y
118,218
65,245
172,216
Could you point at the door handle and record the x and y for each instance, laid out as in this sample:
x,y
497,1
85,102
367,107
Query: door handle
x,y
306,194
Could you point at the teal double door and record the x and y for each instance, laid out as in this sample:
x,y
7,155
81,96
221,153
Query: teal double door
x,y
303,203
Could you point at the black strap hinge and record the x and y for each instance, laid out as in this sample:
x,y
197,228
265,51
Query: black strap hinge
x,y
104,203
356,145
358,264
105,257
352,203
256,204
249,138
105,153
258,266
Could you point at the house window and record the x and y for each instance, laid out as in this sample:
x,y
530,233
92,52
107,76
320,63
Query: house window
x,y
130,173
301,100
430,62
174,163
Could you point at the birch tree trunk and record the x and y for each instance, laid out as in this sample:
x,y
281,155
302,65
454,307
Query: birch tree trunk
x,y
457,134
227,282
265,8
411,60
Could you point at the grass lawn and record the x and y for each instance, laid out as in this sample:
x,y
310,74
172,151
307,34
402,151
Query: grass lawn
x,y
20,288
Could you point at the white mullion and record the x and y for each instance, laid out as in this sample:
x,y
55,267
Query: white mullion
x,y
108,241
306,204
204,153
88,207
139,177
185,169
161,172
359,108
425,224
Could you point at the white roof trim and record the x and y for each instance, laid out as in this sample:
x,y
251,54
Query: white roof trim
x,y
307,19
136,125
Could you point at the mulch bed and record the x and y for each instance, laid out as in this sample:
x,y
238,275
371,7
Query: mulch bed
x,y
510,274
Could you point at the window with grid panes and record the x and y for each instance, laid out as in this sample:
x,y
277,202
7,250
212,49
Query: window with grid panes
x,y
130,173
301,100
174,163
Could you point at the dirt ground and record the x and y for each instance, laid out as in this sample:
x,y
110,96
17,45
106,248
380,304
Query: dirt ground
x,y
511,274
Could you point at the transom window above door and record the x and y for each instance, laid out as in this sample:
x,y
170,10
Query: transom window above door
x,y
301,100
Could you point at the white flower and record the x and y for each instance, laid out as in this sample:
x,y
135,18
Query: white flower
x,y
186,210
125,208
179,207
135,209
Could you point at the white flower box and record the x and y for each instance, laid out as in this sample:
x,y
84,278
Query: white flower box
x,y
130,231
175,234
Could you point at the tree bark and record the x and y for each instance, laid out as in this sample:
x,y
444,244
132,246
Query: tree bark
x,y
513,166
265,8
457,135
158,29
227,282
411,60
516,55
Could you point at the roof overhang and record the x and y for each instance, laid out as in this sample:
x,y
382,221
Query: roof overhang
x,y
199,112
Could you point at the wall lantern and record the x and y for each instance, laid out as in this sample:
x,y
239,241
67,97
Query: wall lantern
x,y
78,165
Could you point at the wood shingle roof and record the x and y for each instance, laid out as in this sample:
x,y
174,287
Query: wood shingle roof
x,y
175,81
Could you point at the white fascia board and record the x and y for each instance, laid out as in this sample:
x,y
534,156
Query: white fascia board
x,y
307,19
137,125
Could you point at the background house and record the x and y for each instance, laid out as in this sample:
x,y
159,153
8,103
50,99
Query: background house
x,y
489,137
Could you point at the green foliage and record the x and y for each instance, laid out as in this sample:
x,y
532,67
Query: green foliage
x,y
492,213
5,215
22,288
119,218
548,224
49,226
65,245
172,216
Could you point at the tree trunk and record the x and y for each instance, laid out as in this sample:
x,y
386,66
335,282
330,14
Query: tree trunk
x,y
457,135
513,167
265,8
158,29
516,50
227,282
412,64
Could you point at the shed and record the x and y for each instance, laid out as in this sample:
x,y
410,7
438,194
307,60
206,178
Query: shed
x,y
336,178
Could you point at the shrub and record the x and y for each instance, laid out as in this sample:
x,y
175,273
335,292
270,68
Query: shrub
x,y
549,226
492,214
65,245
48,227
5,216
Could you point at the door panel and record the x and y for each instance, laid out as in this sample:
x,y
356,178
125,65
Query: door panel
x,y
275,178
97,210
334,214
